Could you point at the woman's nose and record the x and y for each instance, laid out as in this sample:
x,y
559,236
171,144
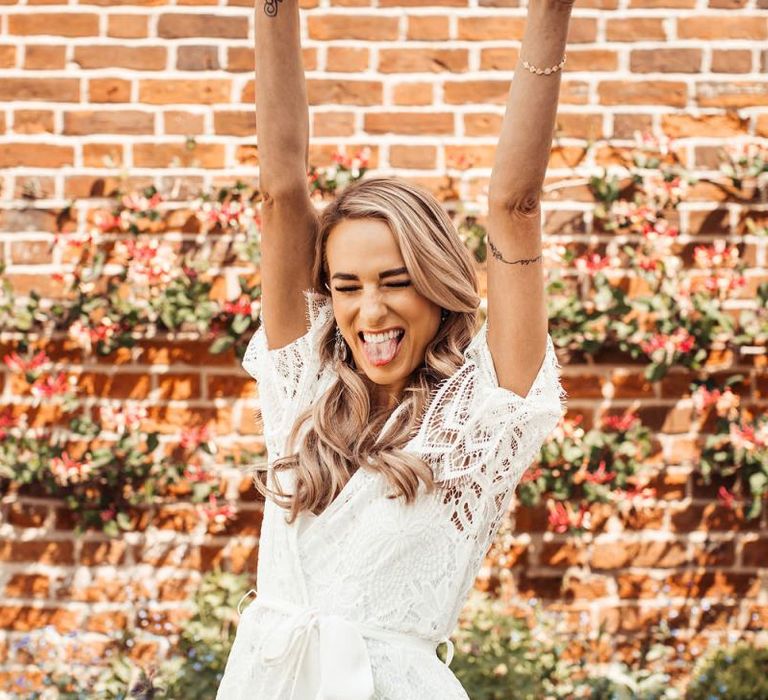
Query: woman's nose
x,y
372,309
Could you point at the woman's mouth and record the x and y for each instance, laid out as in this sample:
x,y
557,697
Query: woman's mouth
x,y
382,348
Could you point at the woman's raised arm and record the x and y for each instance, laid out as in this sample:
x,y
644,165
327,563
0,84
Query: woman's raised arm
x,y
289,220
517,309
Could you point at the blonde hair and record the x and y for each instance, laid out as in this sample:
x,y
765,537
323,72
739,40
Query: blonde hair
x,y
343,423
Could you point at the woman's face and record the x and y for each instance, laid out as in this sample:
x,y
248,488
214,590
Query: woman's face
x,y
381,316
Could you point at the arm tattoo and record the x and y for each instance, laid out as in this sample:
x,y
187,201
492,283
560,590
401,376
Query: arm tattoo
x,y
497,254
270,7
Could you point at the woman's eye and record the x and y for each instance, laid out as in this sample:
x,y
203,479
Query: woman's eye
x,y
390,284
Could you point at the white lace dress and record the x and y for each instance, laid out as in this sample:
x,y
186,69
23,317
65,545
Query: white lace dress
x,y
351,604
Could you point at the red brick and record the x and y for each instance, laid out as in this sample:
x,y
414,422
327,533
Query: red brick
x,y
402,60
755,552
662,554
365,27
164,155
729,93
235,123
41,57
195,92
26,515
490,28
428,28
26,619
737,26
28,586
183,123
412,123
119,386
562,555
107,622
127,26
109,56
71,24
108,122
413,94
632,620
109,90
347,59
103,155
711,517
687,125
32,121
39,155
108,553
8,56
40,89
333,124
665,60
635,29
180,26
657,92
344,92
731,61
417,157
197,58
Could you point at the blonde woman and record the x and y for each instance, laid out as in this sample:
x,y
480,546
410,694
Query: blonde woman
x,y
396,434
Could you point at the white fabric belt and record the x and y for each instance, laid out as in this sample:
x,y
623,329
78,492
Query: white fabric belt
x,y
345,668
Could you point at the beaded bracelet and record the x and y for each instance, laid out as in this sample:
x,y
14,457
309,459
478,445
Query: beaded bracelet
x,y
544,71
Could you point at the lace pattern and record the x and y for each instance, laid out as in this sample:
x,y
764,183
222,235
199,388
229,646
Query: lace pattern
x,y
286,376
370,558
477,432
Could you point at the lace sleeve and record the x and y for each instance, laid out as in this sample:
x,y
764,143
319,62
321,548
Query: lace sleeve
x,y
286,376
475,431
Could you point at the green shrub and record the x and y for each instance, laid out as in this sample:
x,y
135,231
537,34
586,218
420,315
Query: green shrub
x,y
498,657
739,672
205,640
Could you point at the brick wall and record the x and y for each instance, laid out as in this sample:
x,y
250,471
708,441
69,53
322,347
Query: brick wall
x,y
163,94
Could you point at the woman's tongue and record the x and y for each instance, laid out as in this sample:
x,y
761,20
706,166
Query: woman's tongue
x,y
381,353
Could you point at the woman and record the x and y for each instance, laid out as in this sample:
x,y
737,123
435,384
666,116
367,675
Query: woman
x,y
395,435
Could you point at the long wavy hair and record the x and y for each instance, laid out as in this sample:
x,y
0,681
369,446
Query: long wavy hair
x,y
341,429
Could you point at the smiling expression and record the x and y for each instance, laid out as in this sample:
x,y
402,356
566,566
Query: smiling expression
x,y
372,293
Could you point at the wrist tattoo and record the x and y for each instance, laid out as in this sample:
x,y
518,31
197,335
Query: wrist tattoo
x,y
497,254
270,7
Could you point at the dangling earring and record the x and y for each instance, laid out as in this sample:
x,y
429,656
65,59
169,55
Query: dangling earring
x,y
340,347
443,315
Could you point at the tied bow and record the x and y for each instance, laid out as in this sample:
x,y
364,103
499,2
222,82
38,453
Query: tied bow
x,y
345,668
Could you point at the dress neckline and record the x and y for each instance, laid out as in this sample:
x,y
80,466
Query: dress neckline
x,y
310,519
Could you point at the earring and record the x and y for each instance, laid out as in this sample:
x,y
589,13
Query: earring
x,y
340,347
443,315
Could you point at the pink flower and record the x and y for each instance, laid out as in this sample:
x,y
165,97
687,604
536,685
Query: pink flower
x,y
680,341
717,255
621,423
66,470
15,362
242,306
6,421
559,519
139,203
50,386
219,515
704,398
634,493
562,517
192,437
726,498
531,474
743,437
592,262
194,472
600,476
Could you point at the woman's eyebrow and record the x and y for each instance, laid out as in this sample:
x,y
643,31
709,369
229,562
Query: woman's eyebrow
x,y
386,273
